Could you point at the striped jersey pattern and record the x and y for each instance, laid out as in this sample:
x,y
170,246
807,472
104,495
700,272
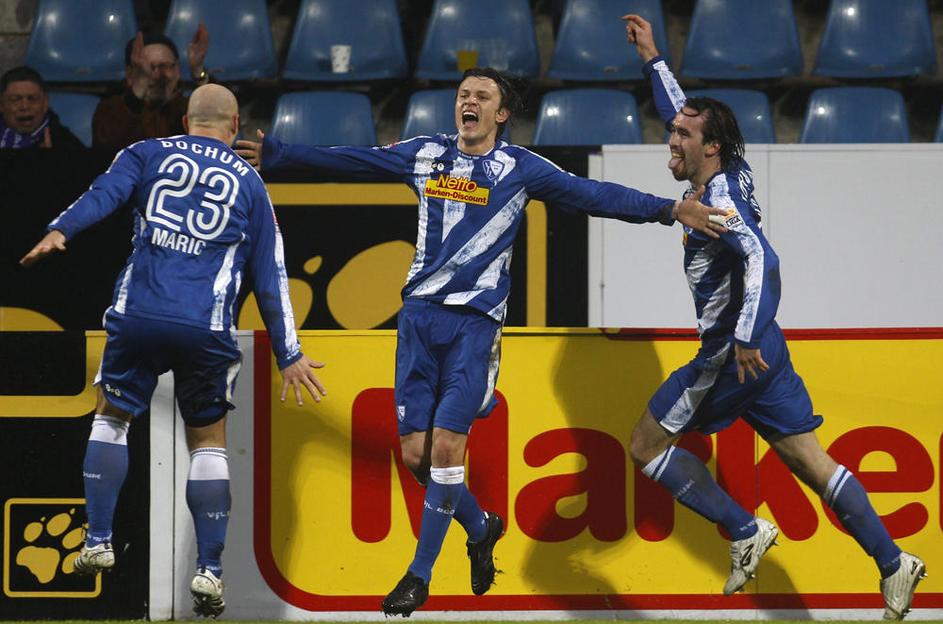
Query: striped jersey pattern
x,y
470,207
735,279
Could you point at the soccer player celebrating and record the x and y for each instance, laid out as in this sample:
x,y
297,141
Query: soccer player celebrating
x,y
202,218
472,191
742,368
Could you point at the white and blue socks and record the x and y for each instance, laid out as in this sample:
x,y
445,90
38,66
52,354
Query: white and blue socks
x,y
692,485
848,499
443,497
209,501
104,471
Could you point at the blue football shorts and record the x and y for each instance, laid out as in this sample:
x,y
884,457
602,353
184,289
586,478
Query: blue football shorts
x,y
205,365
705,395
446,366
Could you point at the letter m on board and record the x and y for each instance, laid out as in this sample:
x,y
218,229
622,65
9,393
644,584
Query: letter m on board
x,y
375,453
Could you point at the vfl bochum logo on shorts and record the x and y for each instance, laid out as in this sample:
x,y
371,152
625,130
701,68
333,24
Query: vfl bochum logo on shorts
x,y
401,412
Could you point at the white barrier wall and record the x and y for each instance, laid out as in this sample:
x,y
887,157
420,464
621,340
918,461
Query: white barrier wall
x,y
857,229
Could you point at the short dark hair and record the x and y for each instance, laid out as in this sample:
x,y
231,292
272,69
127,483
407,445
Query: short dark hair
x,y
510,89
150,39
22,73
720,126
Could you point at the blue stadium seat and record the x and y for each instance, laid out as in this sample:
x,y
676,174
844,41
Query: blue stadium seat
x,y
587,117
81,40
855,115
324,118
591,43
742,40
75,111
430,112
876,39
241,45
751,109
501,31
370,27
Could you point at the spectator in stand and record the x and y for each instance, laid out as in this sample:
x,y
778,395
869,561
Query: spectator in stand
x,y
152,103
27,120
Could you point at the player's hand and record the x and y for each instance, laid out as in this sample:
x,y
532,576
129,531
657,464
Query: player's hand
x,y
52,242
748,361
299,374
251,151
639,32
692,213
196,50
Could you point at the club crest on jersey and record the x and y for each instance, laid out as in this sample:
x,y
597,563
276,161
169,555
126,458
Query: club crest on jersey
x,y
457,189
492,168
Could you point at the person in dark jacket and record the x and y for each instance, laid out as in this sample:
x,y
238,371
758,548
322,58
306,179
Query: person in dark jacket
x,y
152,103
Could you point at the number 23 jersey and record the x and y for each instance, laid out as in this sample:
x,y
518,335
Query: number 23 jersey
x,y
202,222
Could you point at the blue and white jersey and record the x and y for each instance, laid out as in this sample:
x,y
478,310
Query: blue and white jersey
x,y
202,219
470,207
734,280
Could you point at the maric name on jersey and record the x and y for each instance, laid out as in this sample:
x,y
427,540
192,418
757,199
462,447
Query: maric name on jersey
x,y
177,241
456,189
222,155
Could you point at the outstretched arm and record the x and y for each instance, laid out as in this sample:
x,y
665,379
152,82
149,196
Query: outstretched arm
x,y
545,181
667,93
108,192
372,163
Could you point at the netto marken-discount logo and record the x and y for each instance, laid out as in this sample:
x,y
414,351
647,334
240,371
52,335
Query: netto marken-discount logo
x,y
456,189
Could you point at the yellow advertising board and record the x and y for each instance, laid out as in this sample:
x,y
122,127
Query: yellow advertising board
x,y
336,514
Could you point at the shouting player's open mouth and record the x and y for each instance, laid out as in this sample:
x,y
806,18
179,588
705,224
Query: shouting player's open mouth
x,y
469,120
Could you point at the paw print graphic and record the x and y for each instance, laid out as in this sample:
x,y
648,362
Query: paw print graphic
x,y
52,545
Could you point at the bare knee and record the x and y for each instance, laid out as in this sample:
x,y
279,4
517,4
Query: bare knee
x,y
415,449
105,408
208,436
804,456
417,463
648,440
448,448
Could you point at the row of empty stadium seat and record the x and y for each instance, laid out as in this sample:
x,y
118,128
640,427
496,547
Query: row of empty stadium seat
x,y
566,117
728,39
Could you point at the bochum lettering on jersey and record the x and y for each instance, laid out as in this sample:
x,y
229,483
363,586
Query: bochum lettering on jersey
x,y
226,157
